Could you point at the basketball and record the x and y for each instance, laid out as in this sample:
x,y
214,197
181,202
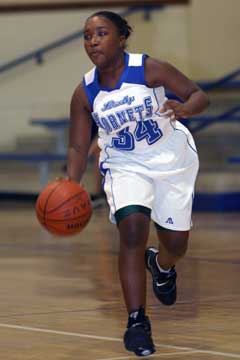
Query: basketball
x,y
63,207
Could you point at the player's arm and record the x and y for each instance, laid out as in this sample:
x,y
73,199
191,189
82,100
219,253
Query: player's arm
x,y
159,73
79,134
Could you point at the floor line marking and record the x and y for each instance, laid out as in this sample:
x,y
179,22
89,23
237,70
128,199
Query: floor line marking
x,y
158,355
106,338
57,332
219,353
210,352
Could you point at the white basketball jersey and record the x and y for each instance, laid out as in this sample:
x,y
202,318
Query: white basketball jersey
x,y
128,115
131,129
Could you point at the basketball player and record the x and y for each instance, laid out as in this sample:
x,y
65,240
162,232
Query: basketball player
x,y
148,159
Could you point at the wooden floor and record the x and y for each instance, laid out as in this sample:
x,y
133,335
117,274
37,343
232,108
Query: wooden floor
x,y
61,298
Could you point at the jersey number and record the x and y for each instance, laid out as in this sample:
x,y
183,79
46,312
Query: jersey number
x,y
147,129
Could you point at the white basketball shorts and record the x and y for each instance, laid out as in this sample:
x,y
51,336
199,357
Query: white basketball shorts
x,y
162,180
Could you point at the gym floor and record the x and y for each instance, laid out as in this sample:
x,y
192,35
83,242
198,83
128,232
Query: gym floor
x,y
61,297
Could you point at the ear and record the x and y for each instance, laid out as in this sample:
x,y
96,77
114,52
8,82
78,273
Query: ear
x,y
122,41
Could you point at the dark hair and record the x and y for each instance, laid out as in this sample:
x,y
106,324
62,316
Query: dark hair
x,y
121,24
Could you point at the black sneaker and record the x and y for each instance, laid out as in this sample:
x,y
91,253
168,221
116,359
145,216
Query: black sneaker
x,y
164,284
138,336
98,200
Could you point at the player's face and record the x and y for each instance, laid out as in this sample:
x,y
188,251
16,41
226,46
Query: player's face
x,y
102,41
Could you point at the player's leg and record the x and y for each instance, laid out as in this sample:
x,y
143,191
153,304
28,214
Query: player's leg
x,y
172,246
133,224
133,231
161,262
130,196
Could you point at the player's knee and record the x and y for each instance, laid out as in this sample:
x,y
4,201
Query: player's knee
x,y
132,241
133,234
133,224
177,244
134,238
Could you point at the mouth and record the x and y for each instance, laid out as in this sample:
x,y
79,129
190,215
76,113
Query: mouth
x,y
95,53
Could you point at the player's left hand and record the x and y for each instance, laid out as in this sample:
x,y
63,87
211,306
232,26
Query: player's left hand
x,y
174,109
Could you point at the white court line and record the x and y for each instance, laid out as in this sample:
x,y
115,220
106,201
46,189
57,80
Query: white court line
x,y
106,338
235,356
154,355
56,332
210,352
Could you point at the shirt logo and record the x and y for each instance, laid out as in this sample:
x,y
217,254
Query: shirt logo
x,y
112,103
169,221
116,119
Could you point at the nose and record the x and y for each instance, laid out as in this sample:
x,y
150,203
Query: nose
x,y
94,40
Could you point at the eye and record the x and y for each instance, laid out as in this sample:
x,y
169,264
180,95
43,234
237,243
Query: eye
x,y
87,37
102,33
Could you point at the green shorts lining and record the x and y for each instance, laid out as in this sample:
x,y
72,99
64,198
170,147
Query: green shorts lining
x,y
131,209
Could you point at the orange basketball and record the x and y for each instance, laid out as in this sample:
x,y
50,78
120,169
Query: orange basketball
x,y
63,207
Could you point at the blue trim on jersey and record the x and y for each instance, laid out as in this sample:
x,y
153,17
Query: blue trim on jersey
x,y
130,75
92,89
185,135
136,74
101,168
111,184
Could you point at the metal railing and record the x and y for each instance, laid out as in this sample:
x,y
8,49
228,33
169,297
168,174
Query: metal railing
x,y
228,81
38,54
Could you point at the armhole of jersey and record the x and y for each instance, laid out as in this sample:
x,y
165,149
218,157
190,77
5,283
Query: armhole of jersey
x,y
145,56
87,93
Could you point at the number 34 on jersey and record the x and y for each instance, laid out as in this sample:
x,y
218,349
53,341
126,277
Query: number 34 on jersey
x,y
147,130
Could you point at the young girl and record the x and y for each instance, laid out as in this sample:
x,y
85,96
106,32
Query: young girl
x,y
148,159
